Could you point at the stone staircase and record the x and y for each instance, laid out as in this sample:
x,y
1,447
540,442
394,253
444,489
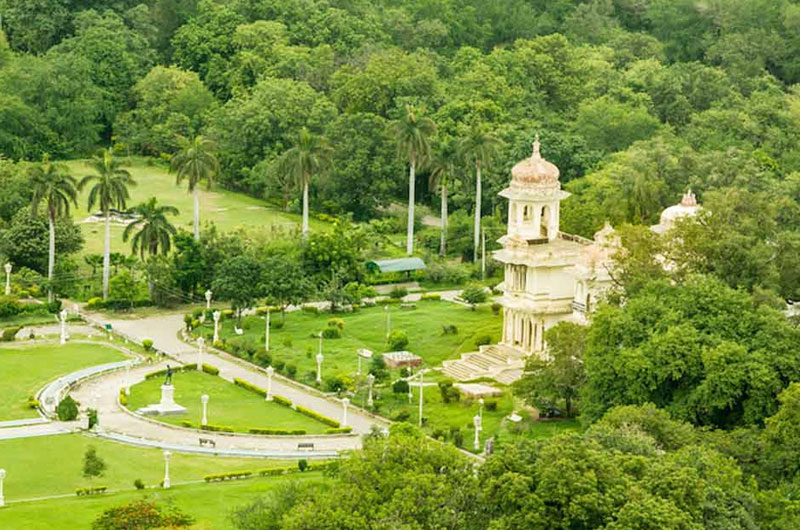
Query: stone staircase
x,y
502,363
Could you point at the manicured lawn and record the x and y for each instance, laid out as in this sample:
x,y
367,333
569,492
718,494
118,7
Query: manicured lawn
x,y
52,465
366,328
440,416
26,369
226,209
228,405
27,319
540,430
209,504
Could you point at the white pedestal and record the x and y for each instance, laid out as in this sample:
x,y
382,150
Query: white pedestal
x,y
167,406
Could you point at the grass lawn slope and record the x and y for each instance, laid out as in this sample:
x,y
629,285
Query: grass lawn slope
x,y
26,369
229,405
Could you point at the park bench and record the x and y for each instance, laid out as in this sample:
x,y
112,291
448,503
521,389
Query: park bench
x,y
207,441
308,446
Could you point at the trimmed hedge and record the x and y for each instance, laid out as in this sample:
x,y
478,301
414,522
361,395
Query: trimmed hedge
x,y
249,386
433,297
9,334
231,475
96,490
311,414
216,428
211,370
339,430
281,432
280,400
123,399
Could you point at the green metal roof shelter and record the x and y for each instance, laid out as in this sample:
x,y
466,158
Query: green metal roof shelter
x,y
396,265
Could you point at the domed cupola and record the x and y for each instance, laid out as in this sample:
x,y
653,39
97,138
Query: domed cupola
x,y
534,172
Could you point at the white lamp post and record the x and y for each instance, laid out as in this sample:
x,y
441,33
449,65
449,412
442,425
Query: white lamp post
x,y
2,477
345,403
388,321
216,315
420,398
63,316
319,367
166,469
362,353
8,278
204,400
266,332
200,343
480,409
270,371
209,294
477,421
370,381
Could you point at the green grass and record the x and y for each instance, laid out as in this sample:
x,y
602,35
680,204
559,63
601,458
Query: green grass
x,y
28,319
209,504
539,430
52,465
366,328
27,368
228,210
228,404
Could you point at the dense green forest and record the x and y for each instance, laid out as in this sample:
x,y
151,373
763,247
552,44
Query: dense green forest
x,y
635,100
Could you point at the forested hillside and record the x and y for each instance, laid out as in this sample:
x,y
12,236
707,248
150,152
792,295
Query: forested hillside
x,y
635,100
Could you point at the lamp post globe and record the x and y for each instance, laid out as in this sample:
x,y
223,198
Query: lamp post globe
x,y
209,294
270,373
8,278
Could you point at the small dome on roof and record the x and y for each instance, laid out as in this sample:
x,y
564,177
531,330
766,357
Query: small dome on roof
x,y
535,171
688,207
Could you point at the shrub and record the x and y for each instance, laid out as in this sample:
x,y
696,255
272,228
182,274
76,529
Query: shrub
x,y
398,340
9,306
311,414
187,319
474,294
339,430
496,307
263,358
334,383
123,398
482,340
400,387
249,386
280,365
147,344
216,428
138,484
291,370
186,423
302,464
449,392
398,292
33,403
279,432
287,342
92,415
230,475
449,329
332,333
280,400
67,409
197,313
457,435
195,323
433,297
276,324
336,323
212,370
314,310
439,272
402,415
94,490
491,406
9,334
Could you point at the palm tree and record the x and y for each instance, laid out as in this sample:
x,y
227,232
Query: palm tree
x,y
478,147
56,188
154,233
196,163
443,171
310,154
109,190
412,132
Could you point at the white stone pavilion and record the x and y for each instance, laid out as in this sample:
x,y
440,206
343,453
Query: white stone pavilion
x,y
550,276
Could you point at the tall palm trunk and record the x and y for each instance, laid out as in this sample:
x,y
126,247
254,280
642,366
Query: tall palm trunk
x,y
51,258
107,255
305,205
410,232
443,241
196,194
477,234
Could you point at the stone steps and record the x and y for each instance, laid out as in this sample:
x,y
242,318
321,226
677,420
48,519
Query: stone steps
x,y
478,360
508,377
458,371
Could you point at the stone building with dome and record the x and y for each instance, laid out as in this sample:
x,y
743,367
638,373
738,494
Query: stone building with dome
x,y
550,276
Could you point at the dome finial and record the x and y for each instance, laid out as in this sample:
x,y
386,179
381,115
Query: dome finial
x,y
536,153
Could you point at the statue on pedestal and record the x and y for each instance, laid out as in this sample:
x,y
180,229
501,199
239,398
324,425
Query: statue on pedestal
x,y
168,378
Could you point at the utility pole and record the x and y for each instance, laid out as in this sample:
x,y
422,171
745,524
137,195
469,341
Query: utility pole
x,y
483,253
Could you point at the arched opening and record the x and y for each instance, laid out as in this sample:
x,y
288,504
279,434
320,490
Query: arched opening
x,y
527,213
545,222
